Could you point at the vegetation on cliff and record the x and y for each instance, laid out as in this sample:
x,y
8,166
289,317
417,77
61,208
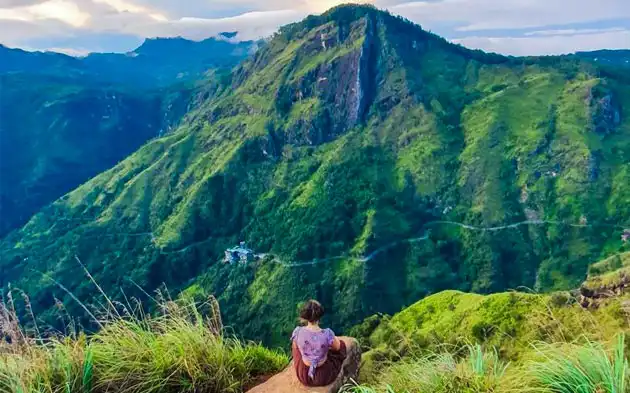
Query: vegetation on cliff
x,y
181,349
505,342
64,120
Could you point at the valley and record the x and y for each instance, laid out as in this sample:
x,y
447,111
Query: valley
x,y
63,120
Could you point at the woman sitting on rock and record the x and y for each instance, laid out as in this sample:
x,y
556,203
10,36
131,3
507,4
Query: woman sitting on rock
x,y
317,353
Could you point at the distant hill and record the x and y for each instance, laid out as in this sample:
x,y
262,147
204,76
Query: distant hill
x,y
165,60
157,62
615,58
63,119
18,60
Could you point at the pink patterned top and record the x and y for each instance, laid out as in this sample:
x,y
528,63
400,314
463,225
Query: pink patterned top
x,y
313,346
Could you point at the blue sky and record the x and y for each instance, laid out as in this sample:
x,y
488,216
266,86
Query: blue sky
x,y
518,27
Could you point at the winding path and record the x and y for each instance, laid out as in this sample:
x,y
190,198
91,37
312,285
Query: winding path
x,y
389,246
379,250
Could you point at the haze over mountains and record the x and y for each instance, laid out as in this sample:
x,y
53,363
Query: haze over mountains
x,y
373,162
65,119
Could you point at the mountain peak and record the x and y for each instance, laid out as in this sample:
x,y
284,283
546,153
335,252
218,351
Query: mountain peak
x,y
228,34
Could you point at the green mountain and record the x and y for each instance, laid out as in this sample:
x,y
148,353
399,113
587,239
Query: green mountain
x,y
57,133
618,58
161,61
372,162
157,62
63,120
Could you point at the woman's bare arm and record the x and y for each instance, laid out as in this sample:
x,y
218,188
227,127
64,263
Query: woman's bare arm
x,y
336,345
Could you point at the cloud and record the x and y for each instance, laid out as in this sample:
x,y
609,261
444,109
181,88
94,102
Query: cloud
x,y
18,3
214,9
573,31
549,45
487,24
62,10
125,6
250,25
76,52
475,15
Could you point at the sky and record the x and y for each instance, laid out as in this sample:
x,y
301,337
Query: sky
x,y
516,27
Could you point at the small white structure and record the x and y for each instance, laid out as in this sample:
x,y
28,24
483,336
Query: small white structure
x,y
239,253
625,237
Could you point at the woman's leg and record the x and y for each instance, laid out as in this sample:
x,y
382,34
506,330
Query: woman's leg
x,y
328,372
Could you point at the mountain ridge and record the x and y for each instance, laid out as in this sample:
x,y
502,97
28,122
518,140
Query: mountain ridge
x,y
63,120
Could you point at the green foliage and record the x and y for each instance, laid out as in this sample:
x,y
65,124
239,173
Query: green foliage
x,y
507,321
553,368
587,368
441,372
177,351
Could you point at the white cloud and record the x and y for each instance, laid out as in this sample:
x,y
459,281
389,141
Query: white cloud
x,y
76,52
18,3
473,15
19,33
251,25
23,21
572,31
62,10
125,6
549,45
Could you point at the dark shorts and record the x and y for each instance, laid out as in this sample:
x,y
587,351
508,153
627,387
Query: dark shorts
x,y
324,374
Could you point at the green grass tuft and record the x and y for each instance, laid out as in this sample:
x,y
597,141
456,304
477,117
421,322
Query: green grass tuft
x,y
177,351
581,369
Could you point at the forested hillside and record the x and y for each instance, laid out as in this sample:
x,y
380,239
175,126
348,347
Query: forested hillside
x,y
374,164
63,120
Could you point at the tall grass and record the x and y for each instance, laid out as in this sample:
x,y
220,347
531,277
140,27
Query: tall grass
x,y
587,368
178,351
480,371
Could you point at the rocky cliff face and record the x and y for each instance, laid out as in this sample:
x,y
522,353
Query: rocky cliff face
x,y
605,112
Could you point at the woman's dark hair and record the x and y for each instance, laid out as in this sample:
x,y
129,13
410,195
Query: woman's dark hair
x,y
312,311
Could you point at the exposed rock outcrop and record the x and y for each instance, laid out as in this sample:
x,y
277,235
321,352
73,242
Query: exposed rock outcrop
x,y
287,382
605,113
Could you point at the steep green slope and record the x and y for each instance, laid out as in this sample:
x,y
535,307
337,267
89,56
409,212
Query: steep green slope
x,y
518,325
510,322
341,144
56,133
515,329
63,120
